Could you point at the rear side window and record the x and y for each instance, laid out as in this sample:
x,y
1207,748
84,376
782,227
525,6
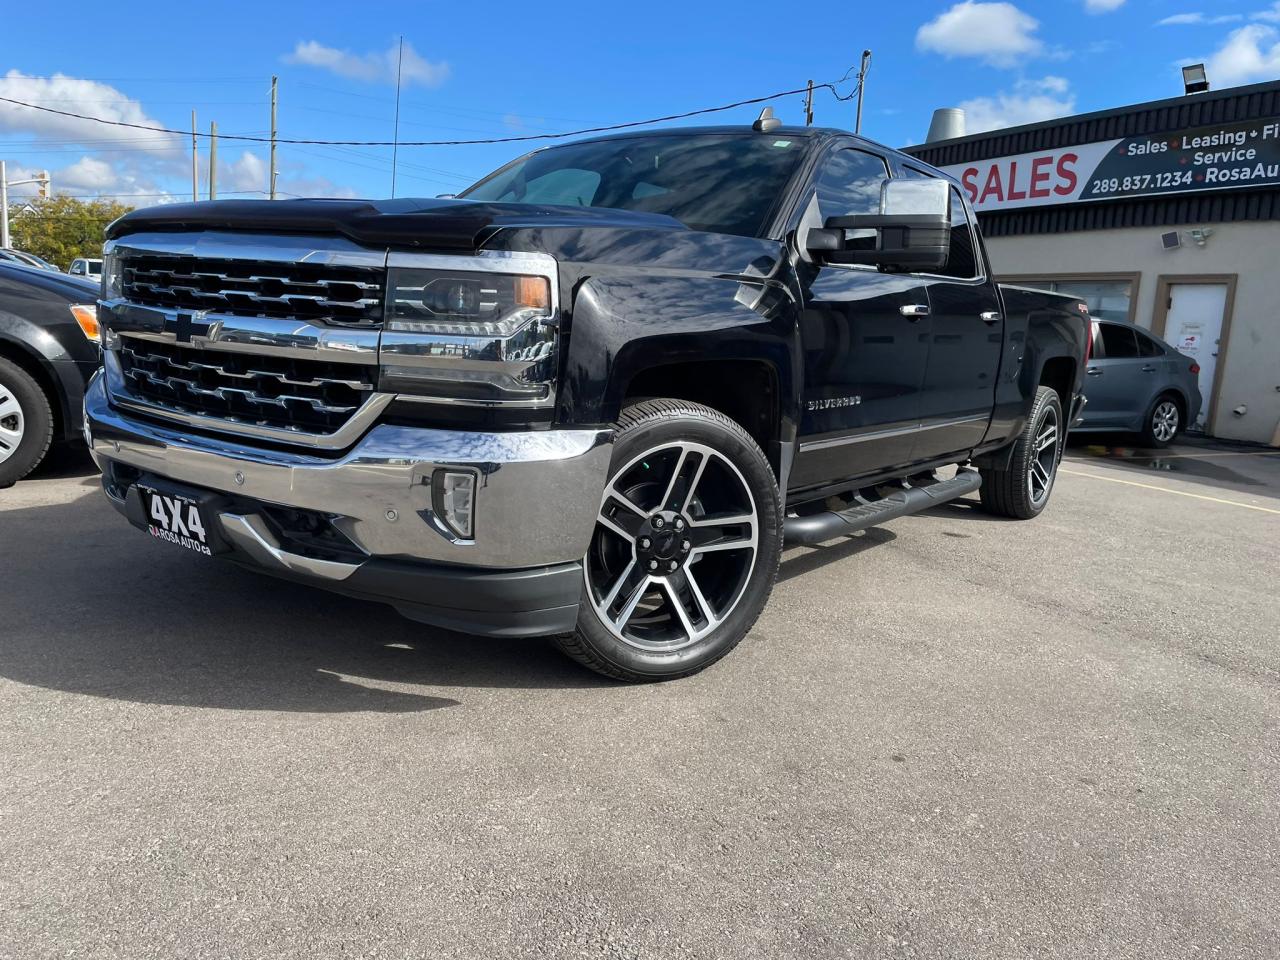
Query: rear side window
x,y
1148,347
849,184
1119,342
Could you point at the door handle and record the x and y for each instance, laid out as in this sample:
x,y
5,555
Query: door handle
x,y
914,310
1148,369
991,316
1094,371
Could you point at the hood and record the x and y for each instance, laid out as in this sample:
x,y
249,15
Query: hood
x,y
428,224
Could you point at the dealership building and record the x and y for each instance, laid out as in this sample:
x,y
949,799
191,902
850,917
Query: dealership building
x,y
1165,214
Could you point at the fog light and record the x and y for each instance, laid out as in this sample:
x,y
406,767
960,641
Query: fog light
x,y
454,496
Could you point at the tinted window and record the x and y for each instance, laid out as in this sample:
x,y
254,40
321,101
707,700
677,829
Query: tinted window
x,y
1148,347
963,261
849,184
1119,342
722,183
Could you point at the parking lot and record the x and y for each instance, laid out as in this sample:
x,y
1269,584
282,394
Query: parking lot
x,y
948,737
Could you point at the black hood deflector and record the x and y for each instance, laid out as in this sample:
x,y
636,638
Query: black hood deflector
x,y
420,223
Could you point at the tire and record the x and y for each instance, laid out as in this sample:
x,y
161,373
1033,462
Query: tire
x,y
686,545
26,423
1022,491
1163,423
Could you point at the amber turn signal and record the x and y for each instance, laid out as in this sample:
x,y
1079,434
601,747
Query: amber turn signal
x,y
86,315
533,292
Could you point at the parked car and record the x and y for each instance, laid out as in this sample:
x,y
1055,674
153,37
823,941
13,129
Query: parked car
x,y
85,267
591,397
48,350
26,259
1139,384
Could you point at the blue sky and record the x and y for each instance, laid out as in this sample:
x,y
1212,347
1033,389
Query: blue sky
x,y
503,69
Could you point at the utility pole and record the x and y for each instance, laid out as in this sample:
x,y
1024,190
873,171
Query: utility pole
x,y
4,207
213,160
808,106
862,86
195,164
395,139
46,190
272,170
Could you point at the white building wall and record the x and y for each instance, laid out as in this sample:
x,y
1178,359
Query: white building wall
x,y
1251,370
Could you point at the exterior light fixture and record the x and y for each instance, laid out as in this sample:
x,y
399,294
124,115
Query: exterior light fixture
x,y
1194,78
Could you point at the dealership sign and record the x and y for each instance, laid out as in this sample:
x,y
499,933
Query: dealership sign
x,y
1208,158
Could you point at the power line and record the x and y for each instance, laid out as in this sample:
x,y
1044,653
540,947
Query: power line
x,y
443,143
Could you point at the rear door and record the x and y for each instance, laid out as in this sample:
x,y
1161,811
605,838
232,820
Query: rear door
x,y
964,346
865,336
1115,383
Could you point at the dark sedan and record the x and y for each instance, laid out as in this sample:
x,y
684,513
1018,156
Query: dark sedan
x,y
48,350
1139,384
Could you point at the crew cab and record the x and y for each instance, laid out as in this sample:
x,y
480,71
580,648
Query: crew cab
x,y
591,397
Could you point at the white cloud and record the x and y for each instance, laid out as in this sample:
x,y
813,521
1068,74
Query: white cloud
x,y
246,174
1102,6
998,33
1250,53
1271,14
373,67
1029,102
1189,19
72,95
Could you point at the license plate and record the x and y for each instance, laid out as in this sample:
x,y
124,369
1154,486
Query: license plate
x,y
176,519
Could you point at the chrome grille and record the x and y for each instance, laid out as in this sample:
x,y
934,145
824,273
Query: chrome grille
x,y
295,394
342,295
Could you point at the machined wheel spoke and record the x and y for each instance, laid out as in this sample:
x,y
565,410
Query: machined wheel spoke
x,y
723,533
8,405
627,576
691,608
9,438
1048,437
621,515
636,588
684,480
1040,472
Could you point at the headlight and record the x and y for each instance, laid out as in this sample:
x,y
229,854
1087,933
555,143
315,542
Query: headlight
x,y
111,276
465,303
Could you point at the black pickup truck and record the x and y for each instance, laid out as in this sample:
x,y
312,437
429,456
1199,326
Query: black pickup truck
x,y
590,398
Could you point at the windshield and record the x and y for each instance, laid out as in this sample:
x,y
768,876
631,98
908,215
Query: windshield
x,y
721,183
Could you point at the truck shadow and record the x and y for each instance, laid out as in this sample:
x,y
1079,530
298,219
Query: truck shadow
x,y
92,606
797,561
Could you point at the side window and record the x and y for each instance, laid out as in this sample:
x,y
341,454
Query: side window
x,y
1118,341
1148,347
1099,348
849,184
963,262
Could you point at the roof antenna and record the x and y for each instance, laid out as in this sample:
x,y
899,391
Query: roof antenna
x,y
766,122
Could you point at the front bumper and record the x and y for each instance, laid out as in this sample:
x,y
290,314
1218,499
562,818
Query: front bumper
x,y
535,504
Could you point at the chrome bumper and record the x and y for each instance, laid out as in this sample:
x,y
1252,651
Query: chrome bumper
x,y
535,503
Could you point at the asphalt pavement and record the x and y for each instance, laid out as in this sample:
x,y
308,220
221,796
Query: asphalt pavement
x,y
952,736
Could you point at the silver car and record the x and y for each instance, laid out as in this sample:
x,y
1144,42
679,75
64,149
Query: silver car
x,y
1137,383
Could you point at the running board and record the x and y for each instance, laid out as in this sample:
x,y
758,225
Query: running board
x,y
830,524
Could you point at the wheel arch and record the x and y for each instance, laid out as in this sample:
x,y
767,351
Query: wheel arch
x,y
42,372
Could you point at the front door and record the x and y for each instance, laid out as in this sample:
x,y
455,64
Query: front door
x,y
1117,384
965,347
1193,326
865,336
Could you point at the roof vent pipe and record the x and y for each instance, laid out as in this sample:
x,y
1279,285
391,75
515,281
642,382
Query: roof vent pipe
x,y
947,124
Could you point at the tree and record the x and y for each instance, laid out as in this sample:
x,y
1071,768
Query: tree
x,y
59,229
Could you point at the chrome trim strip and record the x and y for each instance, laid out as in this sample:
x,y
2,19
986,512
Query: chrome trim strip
x,y
359,422
270,336
251,534
886,434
